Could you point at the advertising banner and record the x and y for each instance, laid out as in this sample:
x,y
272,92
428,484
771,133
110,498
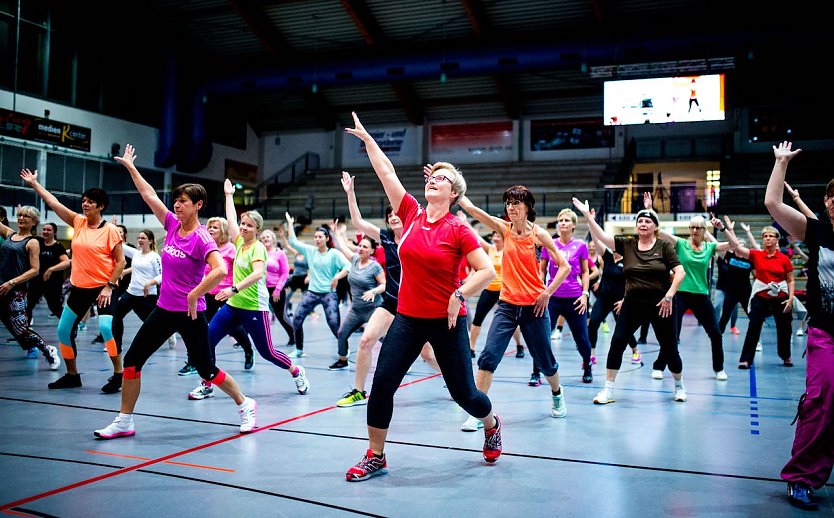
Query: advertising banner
x,y
38,129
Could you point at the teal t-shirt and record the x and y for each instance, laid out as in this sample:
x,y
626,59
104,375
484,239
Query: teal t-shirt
x,y
322,267
695,264
256,296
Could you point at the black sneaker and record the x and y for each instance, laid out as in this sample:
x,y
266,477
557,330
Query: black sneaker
x,y
519,351
587,376
114,384
66,381
535,380
98,340
339,365
471,353
187,370
801,495
248,360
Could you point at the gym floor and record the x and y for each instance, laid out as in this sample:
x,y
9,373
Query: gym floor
x,y
717,454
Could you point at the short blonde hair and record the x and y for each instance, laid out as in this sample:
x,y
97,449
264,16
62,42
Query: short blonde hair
x,y
224,227
32,212
254,216
457,180
698,221
569,212
771,230
268,232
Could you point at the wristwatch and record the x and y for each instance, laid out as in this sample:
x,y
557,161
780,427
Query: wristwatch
x,y
460,296
234,289
112,285
667,298
586,293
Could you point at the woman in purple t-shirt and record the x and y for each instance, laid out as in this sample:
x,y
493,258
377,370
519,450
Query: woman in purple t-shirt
x,y
181,306
570,300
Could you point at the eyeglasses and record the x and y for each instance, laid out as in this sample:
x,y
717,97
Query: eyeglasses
x,y
438,178
697,228
512,203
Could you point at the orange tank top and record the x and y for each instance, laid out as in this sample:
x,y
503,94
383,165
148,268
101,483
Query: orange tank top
x,y
495,256
521,280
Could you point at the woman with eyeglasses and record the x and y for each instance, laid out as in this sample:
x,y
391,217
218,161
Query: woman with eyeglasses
x,y
325,266
649,293
430,306
695,255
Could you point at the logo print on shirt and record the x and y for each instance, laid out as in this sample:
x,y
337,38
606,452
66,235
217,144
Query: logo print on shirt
x,y
174,251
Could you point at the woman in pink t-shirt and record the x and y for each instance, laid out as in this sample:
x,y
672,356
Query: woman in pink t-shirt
x,y
181,305
430,305
277,273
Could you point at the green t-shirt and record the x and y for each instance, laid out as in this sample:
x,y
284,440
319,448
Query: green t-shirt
x,y
255,297
695,264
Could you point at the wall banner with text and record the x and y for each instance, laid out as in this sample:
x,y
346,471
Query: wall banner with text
x,y
37,129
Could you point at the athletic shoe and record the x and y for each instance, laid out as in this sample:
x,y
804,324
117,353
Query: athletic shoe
x,y
203,391
301,382
557,336
788,363
641,341
680,394
66,381
721,376
593,360
605,327
472,424
237,345
535,380
800,333
187,370
559,408
353,398
759,346
519,351
98,339
82,326
636,358
247,411
735,331
492,442
657,375
248,360
743,365
114,384
369,466
471,353
118,428
604,397
54,358
587,375
32,353
339,365
172,341
801,495
298,353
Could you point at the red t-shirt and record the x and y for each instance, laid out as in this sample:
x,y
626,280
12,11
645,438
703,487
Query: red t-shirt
x,y
770,269
431,255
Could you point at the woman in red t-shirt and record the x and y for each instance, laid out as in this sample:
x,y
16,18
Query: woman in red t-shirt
x,y
430,305
772,294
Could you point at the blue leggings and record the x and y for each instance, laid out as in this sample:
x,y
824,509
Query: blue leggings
x,y
256,324
78,302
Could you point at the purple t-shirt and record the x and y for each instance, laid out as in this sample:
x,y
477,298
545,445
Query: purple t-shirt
x,y
574,252
183,264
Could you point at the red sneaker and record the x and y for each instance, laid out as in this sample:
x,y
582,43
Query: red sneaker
x,y
369,466
492,442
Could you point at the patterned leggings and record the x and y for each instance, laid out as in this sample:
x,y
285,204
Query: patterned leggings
x,y
16,321
308,302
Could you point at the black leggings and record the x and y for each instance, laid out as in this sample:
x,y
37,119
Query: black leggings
x,y
280,310
760,309
486,301
602,307
731,298
633,314
705,314
402,345
142,306
50,289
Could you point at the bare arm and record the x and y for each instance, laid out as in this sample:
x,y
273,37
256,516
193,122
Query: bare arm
x,y
367,228
382,165
788,217
482,273
602,237
339,241
804,209
662,234
231,213
739,249
212,279
31,179
491,222
145,189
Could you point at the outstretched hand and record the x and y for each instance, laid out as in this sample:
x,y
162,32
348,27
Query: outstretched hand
x,y
745,227
729,224
129,156
228,187
290,220
581,207
427,169
347,182
28,176
358,130
647,200
793,193
783,151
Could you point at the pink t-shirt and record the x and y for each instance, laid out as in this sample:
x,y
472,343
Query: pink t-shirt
x,y
183,264
277,269
227,252
574,252
431,256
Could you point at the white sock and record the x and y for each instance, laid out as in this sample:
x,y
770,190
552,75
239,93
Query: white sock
x,y
245,402
609,385
679,383
125,418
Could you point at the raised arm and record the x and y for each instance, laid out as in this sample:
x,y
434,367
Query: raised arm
x,y
597,232
31,179
739,249
491,222
720,246
754,245
804,209
339,241
145,189
231,213
367,228
382,165
647,204
788,217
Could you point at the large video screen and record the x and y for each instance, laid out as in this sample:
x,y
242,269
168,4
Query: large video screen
x,y
664,99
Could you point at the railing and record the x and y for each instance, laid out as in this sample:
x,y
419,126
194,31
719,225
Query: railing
x,y
287,175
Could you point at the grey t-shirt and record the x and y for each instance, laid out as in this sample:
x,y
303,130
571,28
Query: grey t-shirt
x,y
362,280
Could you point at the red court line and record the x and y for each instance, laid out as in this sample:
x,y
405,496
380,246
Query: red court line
x,y
5,507
198,466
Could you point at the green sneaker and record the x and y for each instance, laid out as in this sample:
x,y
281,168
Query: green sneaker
x,y
353,398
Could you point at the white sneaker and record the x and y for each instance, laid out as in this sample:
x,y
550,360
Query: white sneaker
x,y
604,397
301,382
680,394
559,408
172,341
721,376
298,353
657,375
759,346
471,424
54,357
203,391
247,411
557,336
800,333
120,427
